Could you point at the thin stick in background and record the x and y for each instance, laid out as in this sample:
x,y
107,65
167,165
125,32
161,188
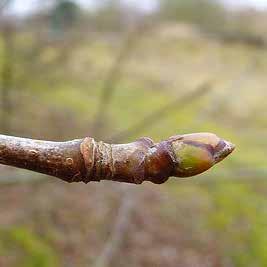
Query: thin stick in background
x,y
7,77
120,228
114,75
154,118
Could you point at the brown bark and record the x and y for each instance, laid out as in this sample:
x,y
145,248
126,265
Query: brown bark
x,y
60,159
143,160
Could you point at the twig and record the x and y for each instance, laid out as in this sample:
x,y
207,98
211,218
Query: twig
x,y
143,160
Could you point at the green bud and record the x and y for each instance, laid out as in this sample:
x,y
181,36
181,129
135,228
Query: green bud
x,y
196,153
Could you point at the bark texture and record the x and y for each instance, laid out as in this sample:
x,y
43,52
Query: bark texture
x,y
85,160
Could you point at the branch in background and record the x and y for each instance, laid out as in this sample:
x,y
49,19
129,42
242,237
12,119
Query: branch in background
x,y
143,160
120,229
114,75
153,118
7,76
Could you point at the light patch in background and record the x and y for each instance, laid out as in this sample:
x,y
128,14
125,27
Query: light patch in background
x,y
145,5
23,6
259,4
26,6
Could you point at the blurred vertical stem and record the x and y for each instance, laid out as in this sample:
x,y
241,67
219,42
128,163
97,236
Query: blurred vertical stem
x,y
7,76
120,228
114,75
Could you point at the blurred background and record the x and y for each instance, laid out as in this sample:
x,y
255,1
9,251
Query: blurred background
x,y
118,70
